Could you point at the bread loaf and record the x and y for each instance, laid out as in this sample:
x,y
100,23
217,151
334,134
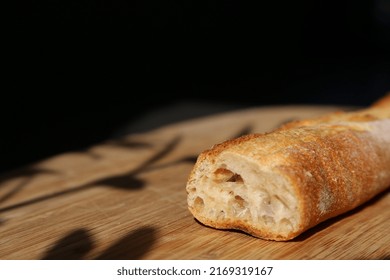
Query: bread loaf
x,y
279,184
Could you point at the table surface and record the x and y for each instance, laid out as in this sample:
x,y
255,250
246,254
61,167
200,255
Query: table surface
x,y
126,199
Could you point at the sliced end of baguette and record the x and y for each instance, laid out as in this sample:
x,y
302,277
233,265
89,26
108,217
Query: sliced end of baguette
x,y
277,185
233,193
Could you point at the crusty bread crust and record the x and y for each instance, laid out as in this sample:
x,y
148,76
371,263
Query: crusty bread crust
x,y
279,184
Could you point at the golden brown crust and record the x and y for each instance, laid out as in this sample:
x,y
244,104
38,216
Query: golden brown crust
x,y
333,164
383,102
342,174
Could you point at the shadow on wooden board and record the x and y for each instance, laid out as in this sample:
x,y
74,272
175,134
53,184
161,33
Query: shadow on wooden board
x,y
127,181
78,243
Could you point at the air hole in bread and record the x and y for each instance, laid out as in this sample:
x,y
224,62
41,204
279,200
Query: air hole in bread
x,y
198,203
240,201
236,178
193,190
268,219
225,175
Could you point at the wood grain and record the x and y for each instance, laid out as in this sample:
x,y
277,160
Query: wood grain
x,y
126,199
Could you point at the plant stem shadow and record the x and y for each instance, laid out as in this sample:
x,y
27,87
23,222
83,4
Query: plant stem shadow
x,y
27,174
126,181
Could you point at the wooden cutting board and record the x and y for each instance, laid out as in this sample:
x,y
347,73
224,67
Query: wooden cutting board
x,y
126,199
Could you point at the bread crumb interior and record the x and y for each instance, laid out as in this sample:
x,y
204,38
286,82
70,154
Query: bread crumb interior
x,y
235,190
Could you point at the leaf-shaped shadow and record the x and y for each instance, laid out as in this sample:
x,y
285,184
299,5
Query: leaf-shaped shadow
x,y
124,143
131,247
192,158
189,159
126,181
244,131
77,244
129,144
284,122
73,246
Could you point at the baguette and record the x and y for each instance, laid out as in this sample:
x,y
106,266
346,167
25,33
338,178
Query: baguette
x,y
279,184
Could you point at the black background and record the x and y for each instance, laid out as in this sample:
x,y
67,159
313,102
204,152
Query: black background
x,y
79,70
